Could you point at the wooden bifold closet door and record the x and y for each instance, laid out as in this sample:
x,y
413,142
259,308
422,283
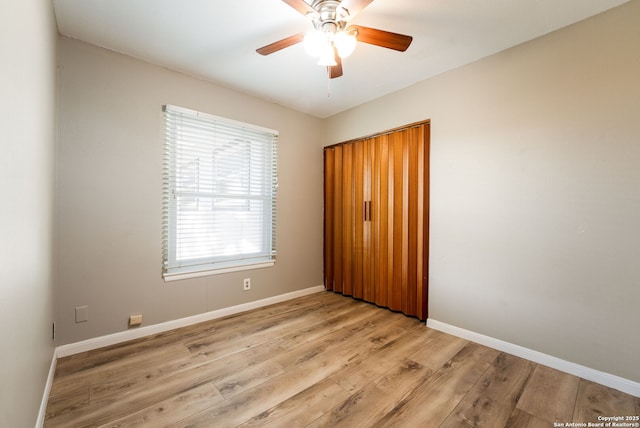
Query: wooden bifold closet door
x,y
376,213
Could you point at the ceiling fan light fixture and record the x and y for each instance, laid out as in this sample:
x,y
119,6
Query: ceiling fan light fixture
x,y
345,43
333,38
315,43
327,58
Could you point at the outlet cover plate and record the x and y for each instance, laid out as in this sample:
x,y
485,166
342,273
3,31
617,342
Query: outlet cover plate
x,y
135,320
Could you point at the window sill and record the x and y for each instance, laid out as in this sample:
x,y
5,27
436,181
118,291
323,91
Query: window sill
x,y
177,276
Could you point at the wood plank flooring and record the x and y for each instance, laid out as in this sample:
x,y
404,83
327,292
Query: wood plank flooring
x,y
323,360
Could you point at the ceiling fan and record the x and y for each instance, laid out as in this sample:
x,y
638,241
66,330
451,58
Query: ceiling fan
x,y
332,38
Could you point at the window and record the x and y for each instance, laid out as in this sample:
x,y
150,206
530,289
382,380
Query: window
x,y
220,181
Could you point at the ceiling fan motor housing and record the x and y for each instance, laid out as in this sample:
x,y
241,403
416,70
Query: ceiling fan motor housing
x,y
330,17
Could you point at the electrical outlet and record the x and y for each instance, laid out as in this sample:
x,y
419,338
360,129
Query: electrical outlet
x,y
246,284
135,320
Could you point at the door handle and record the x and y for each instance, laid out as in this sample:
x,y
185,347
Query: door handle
x,y
367,211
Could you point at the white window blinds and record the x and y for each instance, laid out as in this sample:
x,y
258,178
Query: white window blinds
x,y
220,180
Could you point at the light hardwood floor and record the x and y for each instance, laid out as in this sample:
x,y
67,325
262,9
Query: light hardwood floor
x,y
323,360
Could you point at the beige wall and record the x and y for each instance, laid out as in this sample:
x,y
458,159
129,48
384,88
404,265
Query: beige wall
x,y
535,182
110,188
27,225
535,192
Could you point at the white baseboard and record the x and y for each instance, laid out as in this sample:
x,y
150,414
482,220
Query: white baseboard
x,y
613,381
115,338
47,390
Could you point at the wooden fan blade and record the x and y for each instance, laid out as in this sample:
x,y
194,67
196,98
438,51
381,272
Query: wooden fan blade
x,y
354,6
300,6
386,39
281,44
336,70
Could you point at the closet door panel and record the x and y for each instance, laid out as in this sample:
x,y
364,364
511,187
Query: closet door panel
x,y
423,288
329,218
358,183
380,224
397,287
338,221
349,220
370,219
333,219
413,209
422,215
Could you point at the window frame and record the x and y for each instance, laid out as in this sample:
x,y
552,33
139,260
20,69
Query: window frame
x,y
173,269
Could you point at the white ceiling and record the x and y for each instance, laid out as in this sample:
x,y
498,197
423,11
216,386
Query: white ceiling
x,y
216,40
